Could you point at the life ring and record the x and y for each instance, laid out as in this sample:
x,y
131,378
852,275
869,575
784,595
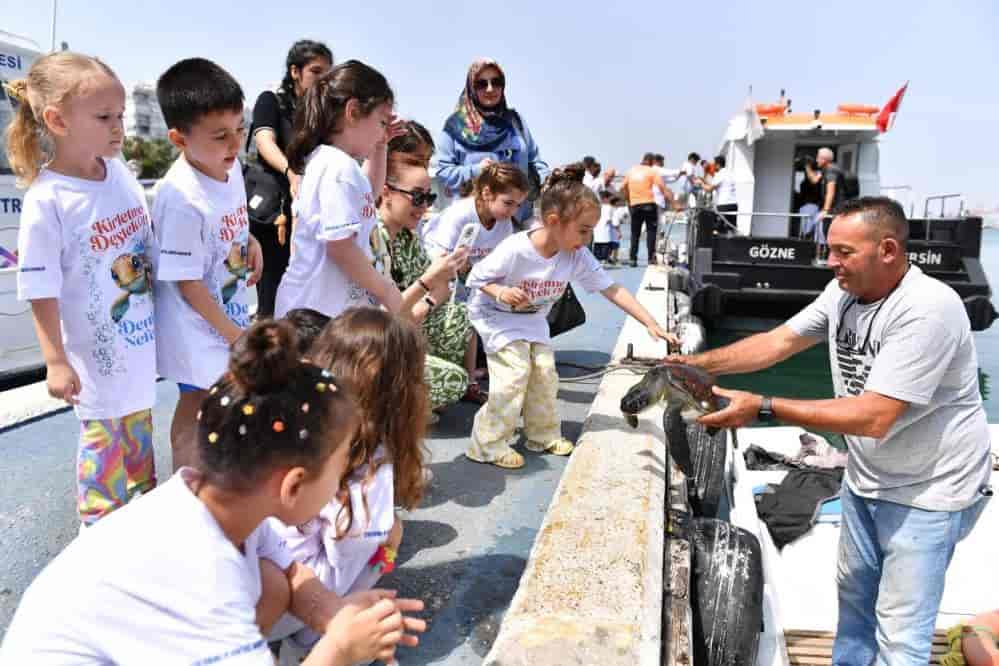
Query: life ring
x,y
858,109
770,109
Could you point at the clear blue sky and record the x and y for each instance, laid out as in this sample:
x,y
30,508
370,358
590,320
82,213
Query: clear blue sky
x,y
613,79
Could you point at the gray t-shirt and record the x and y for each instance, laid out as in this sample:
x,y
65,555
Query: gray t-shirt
x,y
914,345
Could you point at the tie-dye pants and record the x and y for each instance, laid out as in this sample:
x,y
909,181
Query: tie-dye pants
x,y
115,461
522,380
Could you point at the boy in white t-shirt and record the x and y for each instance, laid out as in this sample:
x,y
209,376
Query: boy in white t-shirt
x,y
515,288
206,257
602,232
82,252
619,216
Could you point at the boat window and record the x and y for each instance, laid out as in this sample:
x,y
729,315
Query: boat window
x,y
845,161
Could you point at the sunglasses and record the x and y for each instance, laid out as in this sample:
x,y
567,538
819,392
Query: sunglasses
x,y
419,197
496,82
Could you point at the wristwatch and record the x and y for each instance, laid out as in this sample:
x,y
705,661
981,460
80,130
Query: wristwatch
x,y
766,413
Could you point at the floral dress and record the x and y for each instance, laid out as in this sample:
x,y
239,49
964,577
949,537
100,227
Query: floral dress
x,y
446,328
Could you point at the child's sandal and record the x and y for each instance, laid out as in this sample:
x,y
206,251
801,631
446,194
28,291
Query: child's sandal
x,y
509,460
558,447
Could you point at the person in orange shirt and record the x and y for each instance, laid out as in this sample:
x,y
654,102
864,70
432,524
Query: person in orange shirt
x,y
637,191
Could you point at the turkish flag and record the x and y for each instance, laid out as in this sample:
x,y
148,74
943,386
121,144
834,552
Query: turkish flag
x,y
886,117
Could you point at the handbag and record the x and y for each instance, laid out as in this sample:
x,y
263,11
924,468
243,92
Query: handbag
x,y
566,314
264,194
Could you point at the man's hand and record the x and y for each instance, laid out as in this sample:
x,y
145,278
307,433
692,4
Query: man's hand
x,y
742,409
254,260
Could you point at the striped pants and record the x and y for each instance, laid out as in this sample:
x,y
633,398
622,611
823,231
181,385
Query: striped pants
x,y
114,461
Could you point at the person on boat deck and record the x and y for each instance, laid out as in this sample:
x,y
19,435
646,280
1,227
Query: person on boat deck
x,y
905,374
484,129
830,179
723,185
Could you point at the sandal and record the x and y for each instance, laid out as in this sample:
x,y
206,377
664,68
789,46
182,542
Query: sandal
x,y
474,393
509,460
558,447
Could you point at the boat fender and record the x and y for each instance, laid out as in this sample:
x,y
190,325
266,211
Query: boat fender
x,y
726,593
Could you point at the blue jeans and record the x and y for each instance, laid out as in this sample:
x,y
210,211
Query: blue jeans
x,y
892,562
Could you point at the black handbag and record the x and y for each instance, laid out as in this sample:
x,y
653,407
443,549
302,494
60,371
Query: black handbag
x,y
566,314
264,194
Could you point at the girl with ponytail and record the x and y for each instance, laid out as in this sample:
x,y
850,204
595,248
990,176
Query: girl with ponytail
x,y
514,288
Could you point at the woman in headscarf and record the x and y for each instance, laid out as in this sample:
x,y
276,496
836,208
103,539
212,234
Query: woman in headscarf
x,y
484,129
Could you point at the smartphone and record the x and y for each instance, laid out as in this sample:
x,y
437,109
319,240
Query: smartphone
x,y
468,236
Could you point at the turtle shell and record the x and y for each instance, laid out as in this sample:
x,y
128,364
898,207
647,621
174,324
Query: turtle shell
x,y
694,382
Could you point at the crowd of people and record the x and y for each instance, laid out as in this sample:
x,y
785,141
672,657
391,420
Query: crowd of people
x,y
296,433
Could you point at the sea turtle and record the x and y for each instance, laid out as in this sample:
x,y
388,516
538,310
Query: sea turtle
x,y
133,274
673,383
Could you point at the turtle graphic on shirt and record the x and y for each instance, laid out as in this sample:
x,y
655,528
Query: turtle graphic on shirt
x,y
133,274
238,268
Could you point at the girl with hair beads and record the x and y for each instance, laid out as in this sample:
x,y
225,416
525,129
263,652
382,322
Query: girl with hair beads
x,y
273,439
354,539
83,251
515,287
344,117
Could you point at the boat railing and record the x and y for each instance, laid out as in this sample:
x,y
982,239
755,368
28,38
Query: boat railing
x,y
942,198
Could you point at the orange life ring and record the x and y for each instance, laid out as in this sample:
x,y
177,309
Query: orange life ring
x,y
858,109
770,109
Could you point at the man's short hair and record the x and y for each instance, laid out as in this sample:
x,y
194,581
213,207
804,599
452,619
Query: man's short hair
x,y
648,158
720,161
588,160
660,158
882,213
694,156
825,153
193,88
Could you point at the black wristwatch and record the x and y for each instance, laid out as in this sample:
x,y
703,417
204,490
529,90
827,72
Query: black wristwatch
x,y
766,413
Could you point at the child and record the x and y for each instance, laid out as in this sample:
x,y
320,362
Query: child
x,y
499,191
602,232
515,287
344,117
273,439
375,355
206,256
618,218
83,247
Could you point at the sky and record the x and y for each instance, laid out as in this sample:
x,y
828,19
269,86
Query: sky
x,y
611,79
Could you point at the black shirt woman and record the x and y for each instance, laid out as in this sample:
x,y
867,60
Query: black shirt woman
x,y
273,118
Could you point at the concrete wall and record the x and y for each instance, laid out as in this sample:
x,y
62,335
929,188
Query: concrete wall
x,y
592,589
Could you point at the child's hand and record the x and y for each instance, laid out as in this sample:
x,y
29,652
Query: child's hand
x,y
63,382
515,297
254,260
656,331
370,625
396,127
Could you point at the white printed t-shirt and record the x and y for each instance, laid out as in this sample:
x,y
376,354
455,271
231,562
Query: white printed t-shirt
x,y
619,217
602,232
334,203
340,564
202,232
516,263
156,582
444,236
88,243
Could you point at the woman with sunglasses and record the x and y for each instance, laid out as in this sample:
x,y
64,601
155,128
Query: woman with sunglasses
x,y
484,129
404,200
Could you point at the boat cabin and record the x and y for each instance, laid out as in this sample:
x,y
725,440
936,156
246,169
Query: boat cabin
x,y
764,268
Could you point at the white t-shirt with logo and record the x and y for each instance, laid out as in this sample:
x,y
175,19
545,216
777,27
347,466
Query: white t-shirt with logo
x,y
445,233
725,192
202,232
89,245
334,203
516,263
156,582
619,217
602,232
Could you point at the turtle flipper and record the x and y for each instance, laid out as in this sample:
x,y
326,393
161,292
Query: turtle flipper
x,y
119,308
631,420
